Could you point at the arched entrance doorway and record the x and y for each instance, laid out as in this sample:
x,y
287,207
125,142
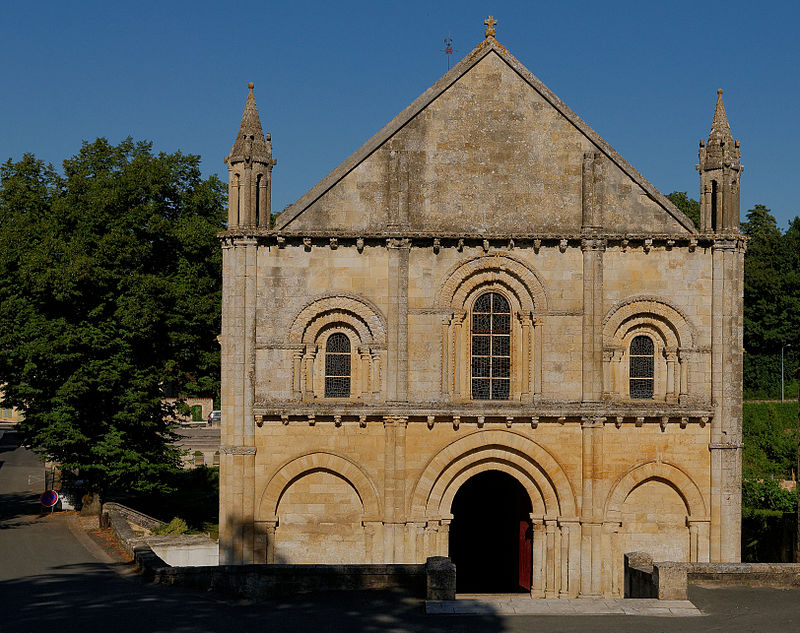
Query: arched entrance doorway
x,y
490,535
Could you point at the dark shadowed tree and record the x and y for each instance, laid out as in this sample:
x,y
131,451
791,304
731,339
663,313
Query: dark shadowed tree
x,y
109,290
689,206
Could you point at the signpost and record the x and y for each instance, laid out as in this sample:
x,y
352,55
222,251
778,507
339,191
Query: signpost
x,y
49,499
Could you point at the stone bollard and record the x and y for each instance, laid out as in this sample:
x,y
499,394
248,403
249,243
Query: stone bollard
x,y
671,579
441,578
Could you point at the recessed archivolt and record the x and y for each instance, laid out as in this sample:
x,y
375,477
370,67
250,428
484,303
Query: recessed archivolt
x,y
527,461
655,311
684,485
522,280
337,465
357,312
540,491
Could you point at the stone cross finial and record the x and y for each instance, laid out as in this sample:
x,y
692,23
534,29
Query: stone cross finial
x,y
490,22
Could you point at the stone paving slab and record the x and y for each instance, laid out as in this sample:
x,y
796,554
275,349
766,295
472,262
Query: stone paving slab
x,y
522,605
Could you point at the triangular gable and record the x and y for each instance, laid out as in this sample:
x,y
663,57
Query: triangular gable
x,y
655,201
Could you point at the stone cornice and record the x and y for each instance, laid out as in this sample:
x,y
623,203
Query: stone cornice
x,y
543,412
496,242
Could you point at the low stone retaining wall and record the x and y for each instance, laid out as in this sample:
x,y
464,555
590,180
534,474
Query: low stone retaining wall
x,y
134,516
268,581
669,581
434,580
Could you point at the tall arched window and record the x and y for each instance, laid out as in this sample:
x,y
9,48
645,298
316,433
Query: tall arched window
x,y
337,366
641,367
491,348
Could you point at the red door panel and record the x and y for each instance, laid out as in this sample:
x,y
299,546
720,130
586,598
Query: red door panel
x,y
525,553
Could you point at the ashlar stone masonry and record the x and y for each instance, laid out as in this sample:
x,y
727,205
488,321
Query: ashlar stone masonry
x,y
483,335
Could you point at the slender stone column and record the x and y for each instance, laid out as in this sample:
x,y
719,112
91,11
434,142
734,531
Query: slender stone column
x,y
397,370
446,347
376,372
265,541
443,537
431,535
591,505
538,554
612,569
389,484
551,575
570,556
366,371
592,355
538,347
372,549
297,372
684,358
415,552
308,361
526,369
672,374
458,354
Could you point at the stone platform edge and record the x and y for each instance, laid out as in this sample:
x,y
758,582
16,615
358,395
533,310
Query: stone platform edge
x,y
645,578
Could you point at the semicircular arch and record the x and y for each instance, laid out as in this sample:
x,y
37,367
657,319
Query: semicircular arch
x,y
338,465
658,309
500,447
463,278
372,322
683,484
542,501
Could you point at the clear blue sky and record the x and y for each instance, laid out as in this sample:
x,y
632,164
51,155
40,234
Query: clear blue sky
x,y
328,75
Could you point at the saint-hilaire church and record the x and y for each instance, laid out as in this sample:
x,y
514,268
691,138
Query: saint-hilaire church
x,y
484,335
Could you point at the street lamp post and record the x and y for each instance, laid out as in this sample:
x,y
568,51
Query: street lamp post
x,y
783,348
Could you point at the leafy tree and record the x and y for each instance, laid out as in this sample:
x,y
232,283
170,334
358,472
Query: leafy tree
x,y
109,290
771,300
689,206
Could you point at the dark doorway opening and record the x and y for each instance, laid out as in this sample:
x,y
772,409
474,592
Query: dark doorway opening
x,y
490,535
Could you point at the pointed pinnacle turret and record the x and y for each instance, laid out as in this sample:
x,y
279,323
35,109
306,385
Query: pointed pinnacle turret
x,y
721,148
720,129
250,143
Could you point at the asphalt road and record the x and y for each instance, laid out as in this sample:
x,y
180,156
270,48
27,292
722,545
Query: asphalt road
x,y
54,578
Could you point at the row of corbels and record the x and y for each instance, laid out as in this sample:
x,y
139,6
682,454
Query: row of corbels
x,y
563,243
510,420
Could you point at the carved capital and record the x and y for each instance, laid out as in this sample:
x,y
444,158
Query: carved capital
x,y
237,450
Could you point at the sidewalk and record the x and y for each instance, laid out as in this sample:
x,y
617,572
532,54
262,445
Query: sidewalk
x,y
511,604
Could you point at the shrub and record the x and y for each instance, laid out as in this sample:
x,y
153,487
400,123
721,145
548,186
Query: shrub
x,y
176,526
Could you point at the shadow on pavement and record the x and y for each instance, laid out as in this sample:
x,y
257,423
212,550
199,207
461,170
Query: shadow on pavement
x,y
94,598
18,509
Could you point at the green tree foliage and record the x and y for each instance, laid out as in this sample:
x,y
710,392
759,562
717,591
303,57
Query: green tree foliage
x,y
689,206
109,289
771,303
769,433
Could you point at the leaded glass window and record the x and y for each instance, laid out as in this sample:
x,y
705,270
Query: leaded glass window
x,y
491,348
337,366
642,362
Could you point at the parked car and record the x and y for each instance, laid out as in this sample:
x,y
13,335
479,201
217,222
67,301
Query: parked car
x,y
214,418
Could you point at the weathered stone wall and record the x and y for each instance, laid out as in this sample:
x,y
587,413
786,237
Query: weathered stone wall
x,y
489,153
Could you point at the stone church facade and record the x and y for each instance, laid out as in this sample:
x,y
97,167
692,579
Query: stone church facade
x,y
483,335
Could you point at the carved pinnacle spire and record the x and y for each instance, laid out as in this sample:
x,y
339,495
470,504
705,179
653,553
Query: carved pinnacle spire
x,y
490,23
720,130
250,143
721,147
